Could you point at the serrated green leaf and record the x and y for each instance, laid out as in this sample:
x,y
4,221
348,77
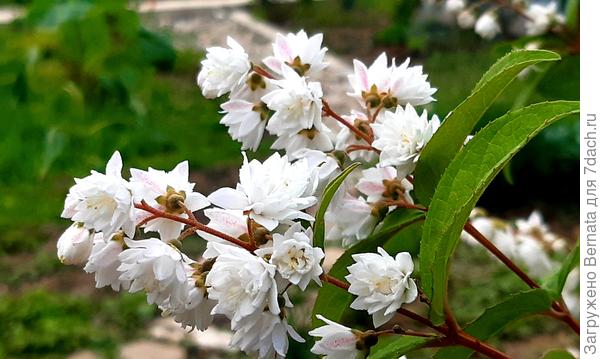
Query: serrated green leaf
x,y
556,282
330,189
331,301
494,319
396,346
459,123
463,183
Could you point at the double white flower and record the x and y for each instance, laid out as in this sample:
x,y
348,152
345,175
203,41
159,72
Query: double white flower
x,y
102,202
273,192
104,261
296,102
382,283
223,70
401,135
298,51
295,257
165,191
401,85
157,268
241,283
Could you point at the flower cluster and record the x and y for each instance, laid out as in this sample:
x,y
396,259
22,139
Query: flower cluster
x,y
531,18
261,234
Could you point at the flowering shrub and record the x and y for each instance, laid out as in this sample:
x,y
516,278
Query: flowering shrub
x,y
368,178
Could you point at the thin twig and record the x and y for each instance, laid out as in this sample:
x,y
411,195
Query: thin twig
x,y
327,109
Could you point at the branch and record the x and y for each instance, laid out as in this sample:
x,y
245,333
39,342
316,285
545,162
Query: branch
x,y
193,222
328,111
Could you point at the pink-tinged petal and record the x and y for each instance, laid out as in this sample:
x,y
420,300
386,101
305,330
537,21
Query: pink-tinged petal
x,y
234,44
370,188
237,105
283,48
114,165
229,198
360,70
273,63
147,180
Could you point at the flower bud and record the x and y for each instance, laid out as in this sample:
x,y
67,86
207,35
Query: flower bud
x,y
74,245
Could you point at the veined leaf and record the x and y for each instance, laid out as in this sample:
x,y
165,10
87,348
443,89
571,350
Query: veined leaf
x,y
556,282
332,301
463,183
494,319
330,189
395,346
459,123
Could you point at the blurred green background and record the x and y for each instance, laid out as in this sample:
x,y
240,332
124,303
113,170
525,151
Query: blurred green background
x,y
80,79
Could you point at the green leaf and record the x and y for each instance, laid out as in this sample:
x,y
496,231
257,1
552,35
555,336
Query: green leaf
x,y
459,123
395,346
463,183
330,189
332,302
556,282
494,319
572,14
558,354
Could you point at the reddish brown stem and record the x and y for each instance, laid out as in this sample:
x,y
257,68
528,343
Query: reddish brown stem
x,y
337,282
193,222
259,70
328,111
353,148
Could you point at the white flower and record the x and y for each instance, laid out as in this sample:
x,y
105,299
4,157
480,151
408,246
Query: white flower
x,y
351,220
102,202
296,102
104,261
540,18
337,341
223,70
164,190
195,313
401,136
157,268
273,192
246,122
241,283
295,257
381,182
382,283
487,25
531,252
535,228
398,84
408,85
266,334
298,51
305,139
74,245
466,19
454,5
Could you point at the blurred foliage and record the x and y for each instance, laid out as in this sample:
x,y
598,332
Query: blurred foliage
x,y
78,80
48,325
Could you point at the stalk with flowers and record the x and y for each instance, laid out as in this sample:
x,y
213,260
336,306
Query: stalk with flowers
x,y
378,179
